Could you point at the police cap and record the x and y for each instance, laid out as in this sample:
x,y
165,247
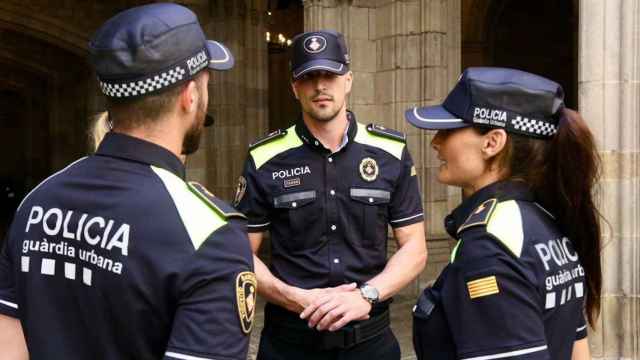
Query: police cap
x,y
516,101
149,48
319,50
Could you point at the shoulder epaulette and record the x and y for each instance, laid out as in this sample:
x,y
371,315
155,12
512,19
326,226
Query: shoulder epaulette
x,y
388,133
503,220
267,138
219,206
480,216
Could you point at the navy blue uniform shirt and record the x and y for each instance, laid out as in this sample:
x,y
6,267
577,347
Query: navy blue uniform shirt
x,y
328,212
514,289
117,257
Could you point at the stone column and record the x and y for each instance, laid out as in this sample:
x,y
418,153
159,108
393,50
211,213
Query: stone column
x,y
237,98
609,100
404,53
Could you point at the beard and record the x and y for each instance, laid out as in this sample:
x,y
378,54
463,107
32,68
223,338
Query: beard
x,y
325,114
191,140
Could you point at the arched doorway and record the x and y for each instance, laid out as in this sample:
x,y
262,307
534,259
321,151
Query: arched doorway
x,y
535,36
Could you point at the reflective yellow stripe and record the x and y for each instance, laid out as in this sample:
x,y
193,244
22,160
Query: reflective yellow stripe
x,y
393,147
506,225
265,152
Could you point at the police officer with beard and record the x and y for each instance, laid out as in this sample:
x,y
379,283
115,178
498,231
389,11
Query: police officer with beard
x,y
327,188
116,256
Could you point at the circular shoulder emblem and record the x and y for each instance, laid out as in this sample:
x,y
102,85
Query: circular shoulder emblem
x,y
246,293
315,44
240,190
368,169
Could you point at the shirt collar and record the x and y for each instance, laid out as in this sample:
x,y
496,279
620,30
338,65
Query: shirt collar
x,y
126,147
307,137
501,190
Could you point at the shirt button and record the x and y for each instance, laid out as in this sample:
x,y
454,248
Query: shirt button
x,y
370,200
294,204
330,159
333,227
336,261
316,143
332,192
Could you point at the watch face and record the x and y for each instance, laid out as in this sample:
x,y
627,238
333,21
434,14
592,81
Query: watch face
x,y
370,293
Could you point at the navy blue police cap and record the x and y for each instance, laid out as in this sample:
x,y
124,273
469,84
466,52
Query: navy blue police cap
x,y
516,101
149,48
324,50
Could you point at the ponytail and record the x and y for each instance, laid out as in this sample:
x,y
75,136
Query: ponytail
x,y
99,128
563,174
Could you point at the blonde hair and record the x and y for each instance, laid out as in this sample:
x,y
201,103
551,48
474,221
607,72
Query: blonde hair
x,y
99,128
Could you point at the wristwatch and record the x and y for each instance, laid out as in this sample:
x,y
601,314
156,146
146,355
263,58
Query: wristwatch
x,y
370,293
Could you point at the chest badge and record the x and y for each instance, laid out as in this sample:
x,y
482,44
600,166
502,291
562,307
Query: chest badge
x,y
241,188
369,169
246,292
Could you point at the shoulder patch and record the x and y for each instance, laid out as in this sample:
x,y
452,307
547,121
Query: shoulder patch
x,y
267,138
246,293
392,144
479,216
388,133
219,206
505,224
273,144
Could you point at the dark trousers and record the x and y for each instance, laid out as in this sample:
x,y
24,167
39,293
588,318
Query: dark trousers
x,y
383,347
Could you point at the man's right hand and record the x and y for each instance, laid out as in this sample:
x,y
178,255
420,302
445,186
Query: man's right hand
x,y
301,298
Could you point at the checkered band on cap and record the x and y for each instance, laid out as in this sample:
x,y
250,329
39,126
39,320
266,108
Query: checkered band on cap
x,y
143,86
534,127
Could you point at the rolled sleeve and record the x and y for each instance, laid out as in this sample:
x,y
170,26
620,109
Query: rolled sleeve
x,y
406,202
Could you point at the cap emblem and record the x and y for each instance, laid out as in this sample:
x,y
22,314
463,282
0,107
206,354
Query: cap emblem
x,y
315,44
368,169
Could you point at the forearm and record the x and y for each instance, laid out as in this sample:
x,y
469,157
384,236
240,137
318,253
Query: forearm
x,y
405,265
581,350
12,340
274,289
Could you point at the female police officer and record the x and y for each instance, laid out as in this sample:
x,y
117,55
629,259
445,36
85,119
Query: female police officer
x,y
526,268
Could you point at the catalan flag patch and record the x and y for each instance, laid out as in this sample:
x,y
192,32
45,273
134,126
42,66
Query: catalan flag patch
x,y
483,287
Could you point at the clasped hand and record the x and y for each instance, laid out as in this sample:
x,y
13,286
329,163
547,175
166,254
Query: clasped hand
x,y
334,309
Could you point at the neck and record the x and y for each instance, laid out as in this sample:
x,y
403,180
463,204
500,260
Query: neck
x,y
161,132
329,133
484,180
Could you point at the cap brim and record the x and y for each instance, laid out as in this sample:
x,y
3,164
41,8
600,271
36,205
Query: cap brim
x,y
433,118
220,56
320,65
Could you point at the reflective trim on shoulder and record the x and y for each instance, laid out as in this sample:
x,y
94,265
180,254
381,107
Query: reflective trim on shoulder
x,y
198,217
393,147
505,223
216,204
265,151
47,179
454,252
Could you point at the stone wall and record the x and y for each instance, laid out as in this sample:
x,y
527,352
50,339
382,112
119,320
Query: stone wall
x,y
404,53
609,100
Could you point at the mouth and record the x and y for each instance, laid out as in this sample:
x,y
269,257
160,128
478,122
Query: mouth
x,y
322,99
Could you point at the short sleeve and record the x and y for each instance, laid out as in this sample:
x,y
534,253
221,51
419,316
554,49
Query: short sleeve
x,y
251,200
492,303
581,329
8,300
406,202
216,304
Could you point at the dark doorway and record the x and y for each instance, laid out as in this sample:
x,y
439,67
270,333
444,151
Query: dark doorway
x,y
535,36
286,19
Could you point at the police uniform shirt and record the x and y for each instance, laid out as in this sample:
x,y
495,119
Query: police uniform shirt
x,y
327,213
514,289
117,257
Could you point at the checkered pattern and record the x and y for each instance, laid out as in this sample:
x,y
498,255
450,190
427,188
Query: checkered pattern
x,y
144,86
533,127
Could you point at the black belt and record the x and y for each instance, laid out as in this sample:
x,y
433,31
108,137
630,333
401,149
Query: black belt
x,y
290,328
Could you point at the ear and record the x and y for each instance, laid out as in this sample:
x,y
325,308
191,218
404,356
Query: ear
x,y
348,82
189,97
494,142
295,90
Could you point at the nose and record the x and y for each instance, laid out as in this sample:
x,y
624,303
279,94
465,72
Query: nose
x,y
436,141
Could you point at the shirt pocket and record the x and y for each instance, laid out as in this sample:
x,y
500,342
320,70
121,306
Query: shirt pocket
x,y
372,208
299,213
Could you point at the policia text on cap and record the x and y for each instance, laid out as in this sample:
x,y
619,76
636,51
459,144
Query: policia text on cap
x,y
116,256
326,188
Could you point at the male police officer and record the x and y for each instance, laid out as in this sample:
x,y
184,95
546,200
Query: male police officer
x,y
116,256
327,188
